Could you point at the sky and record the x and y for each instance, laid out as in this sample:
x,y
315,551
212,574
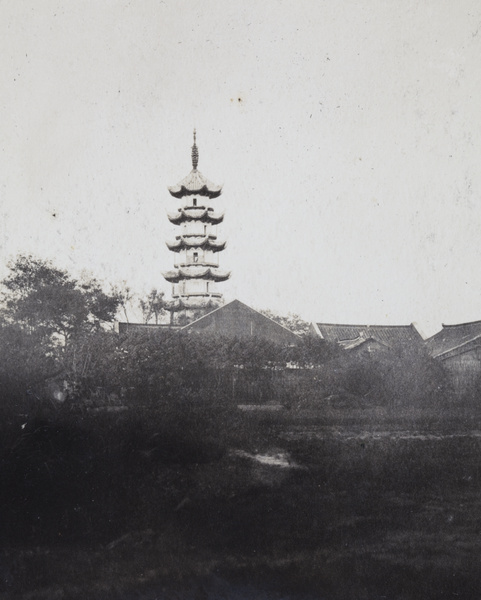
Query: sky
x,y
346,134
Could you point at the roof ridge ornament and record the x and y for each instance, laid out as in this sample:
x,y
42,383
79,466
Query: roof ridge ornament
x,y
195,154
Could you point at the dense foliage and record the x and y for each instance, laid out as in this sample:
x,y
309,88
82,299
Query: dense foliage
x,y
291,321
47,302
52,334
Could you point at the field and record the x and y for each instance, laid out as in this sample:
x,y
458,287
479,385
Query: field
x,y
329,503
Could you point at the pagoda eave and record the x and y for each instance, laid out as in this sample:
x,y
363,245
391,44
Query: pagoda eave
x,y
199,302
205,273
195,214
195,183
205,242
181,191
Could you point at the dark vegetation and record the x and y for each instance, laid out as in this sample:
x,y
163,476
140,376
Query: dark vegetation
x,y
127,470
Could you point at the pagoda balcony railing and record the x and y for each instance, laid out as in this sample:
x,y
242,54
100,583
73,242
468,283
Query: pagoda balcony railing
x,y
199,207
196,207
199,263
198,294
211,236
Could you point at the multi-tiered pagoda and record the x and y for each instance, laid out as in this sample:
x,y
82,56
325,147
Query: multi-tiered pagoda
x,y
196,270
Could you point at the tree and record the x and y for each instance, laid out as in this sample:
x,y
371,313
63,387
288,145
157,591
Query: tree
x,y
48,303
25,360
153,306
124,296
291,321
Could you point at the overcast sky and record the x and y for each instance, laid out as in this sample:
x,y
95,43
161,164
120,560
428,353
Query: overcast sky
x,y
347,134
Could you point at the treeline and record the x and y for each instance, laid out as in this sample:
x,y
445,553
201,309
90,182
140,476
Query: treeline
x,y
102,368
57,345
57,342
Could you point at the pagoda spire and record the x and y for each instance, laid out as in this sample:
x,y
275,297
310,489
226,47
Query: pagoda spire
x,y
195,154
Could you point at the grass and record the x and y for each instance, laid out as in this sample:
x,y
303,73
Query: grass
x,y
147,504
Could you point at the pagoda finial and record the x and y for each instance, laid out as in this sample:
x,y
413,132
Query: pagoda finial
x,y
195,154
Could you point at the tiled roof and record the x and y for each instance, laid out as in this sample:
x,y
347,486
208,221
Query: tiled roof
x,y
359,341
387,334
239,319
453,338
195,183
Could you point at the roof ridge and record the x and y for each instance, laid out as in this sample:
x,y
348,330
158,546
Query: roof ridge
x,y
460,324
411,325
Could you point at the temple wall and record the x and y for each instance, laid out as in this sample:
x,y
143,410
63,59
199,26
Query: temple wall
x,y
464,370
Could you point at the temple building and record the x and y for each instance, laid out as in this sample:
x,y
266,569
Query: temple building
x,y
458,348
196,273
236,319
368,339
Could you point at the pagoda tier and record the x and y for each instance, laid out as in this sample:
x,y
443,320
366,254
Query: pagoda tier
x,y
200,289
195,183
191,213
205,242
196,272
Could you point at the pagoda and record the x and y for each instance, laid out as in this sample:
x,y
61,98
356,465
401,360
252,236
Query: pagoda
x,y
196,270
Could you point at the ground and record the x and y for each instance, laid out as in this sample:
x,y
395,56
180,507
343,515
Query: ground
x,y
335,505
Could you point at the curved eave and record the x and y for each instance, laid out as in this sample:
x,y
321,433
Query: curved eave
x,y
221,276
195,183
205,301
206,273
216,246
196,242
176,218
178,191
215,218
171,276
195,214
